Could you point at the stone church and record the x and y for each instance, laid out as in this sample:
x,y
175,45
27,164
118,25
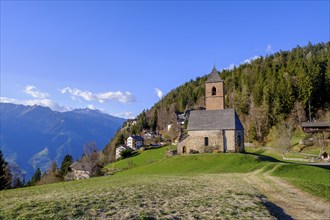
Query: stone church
x,y
215,129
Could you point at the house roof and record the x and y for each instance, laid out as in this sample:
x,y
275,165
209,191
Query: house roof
x,y
80,166
121,147
214,76
315,124
225,119
137,138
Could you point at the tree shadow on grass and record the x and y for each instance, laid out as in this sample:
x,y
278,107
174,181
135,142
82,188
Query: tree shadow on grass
x,y
265,158
274,210
272,159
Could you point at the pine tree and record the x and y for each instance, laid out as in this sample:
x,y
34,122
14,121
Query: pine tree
x,y
5,175
36,177
154,121
120,140
67,161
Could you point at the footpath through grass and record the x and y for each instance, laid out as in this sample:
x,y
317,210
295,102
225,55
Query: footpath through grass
x,y
312,179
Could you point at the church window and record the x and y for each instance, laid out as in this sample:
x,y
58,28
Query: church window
x,y
206,141
214,91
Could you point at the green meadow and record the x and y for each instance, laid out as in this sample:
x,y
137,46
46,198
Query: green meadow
x,y
152,186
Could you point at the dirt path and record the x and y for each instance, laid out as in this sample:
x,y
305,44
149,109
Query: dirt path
x,y
288,202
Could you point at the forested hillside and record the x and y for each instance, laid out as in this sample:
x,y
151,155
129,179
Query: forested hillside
x,y
285,86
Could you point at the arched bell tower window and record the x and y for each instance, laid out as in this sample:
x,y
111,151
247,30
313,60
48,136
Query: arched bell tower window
x,y
214,91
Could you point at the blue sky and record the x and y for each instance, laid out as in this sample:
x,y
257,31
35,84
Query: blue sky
x,y
120,57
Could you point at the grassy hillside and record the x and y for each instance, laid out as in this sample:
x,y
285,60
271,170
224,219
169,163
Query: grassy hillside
x,y
266,93
144,158
308,178
189,186
138,197
314,180
154,161
200,164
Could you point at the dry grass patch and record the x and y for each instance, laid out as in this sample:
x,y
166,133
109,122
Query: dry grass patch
x,y
224,196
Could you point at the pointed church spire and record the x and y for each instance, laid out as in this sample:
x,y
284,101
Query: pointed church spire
x,y
214,76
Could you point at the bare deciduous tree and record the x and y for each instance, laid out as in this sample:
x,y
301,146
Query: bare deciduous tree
x,y
284,135
17,176
52,175
91,157
258,117
298,114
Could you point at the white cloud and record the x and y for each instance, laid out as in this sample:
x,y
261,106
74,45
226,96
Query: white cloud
x,y
124,97
269,48
250,59
34,92
91,107
230,67
126,115
42,102
159,93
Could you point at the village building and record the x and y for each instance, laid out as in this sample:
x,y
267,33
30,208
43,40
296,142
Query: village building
x,y
119,149
135,142
318,133
315,127
131,122
81,170
214,129
149,135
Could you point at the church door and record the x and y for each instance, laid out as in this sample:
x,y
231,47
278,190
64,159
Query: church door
x,y
184,150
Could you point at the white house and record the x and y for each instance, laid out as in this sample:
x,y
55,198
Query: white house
x,y
135,142
119,150
79,170
149,135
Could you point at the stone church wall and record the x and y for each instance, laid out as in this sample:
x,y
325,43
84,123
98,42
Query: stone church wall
x,y
230,138
234,140
196,141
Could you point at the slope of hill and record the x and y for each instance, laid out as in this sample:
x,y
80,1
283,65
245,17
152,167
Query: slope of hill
x,y
265,92
198,186
33,136
314,180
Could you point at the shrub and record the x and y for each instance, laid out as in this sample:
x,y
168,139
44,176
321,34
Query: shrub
x,y
126,153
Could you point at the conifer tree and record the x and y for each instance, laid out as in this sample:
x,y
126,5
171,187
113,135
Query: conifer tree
x,y
5,175
67,161
36,177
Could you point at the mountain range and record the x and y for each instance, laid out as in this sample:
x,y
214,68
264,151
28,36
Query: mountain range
x,y
33,136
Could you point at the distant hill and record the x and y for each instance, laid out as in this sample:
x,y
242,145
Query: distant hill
x,y
33,136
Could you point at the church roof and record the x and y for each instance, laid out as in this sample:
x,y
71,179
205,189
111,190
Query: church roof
x,y
225,119
214,76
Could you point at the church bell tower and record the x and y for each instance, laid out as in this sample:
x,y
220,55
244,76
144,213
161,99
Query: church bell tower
x,y
214,91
